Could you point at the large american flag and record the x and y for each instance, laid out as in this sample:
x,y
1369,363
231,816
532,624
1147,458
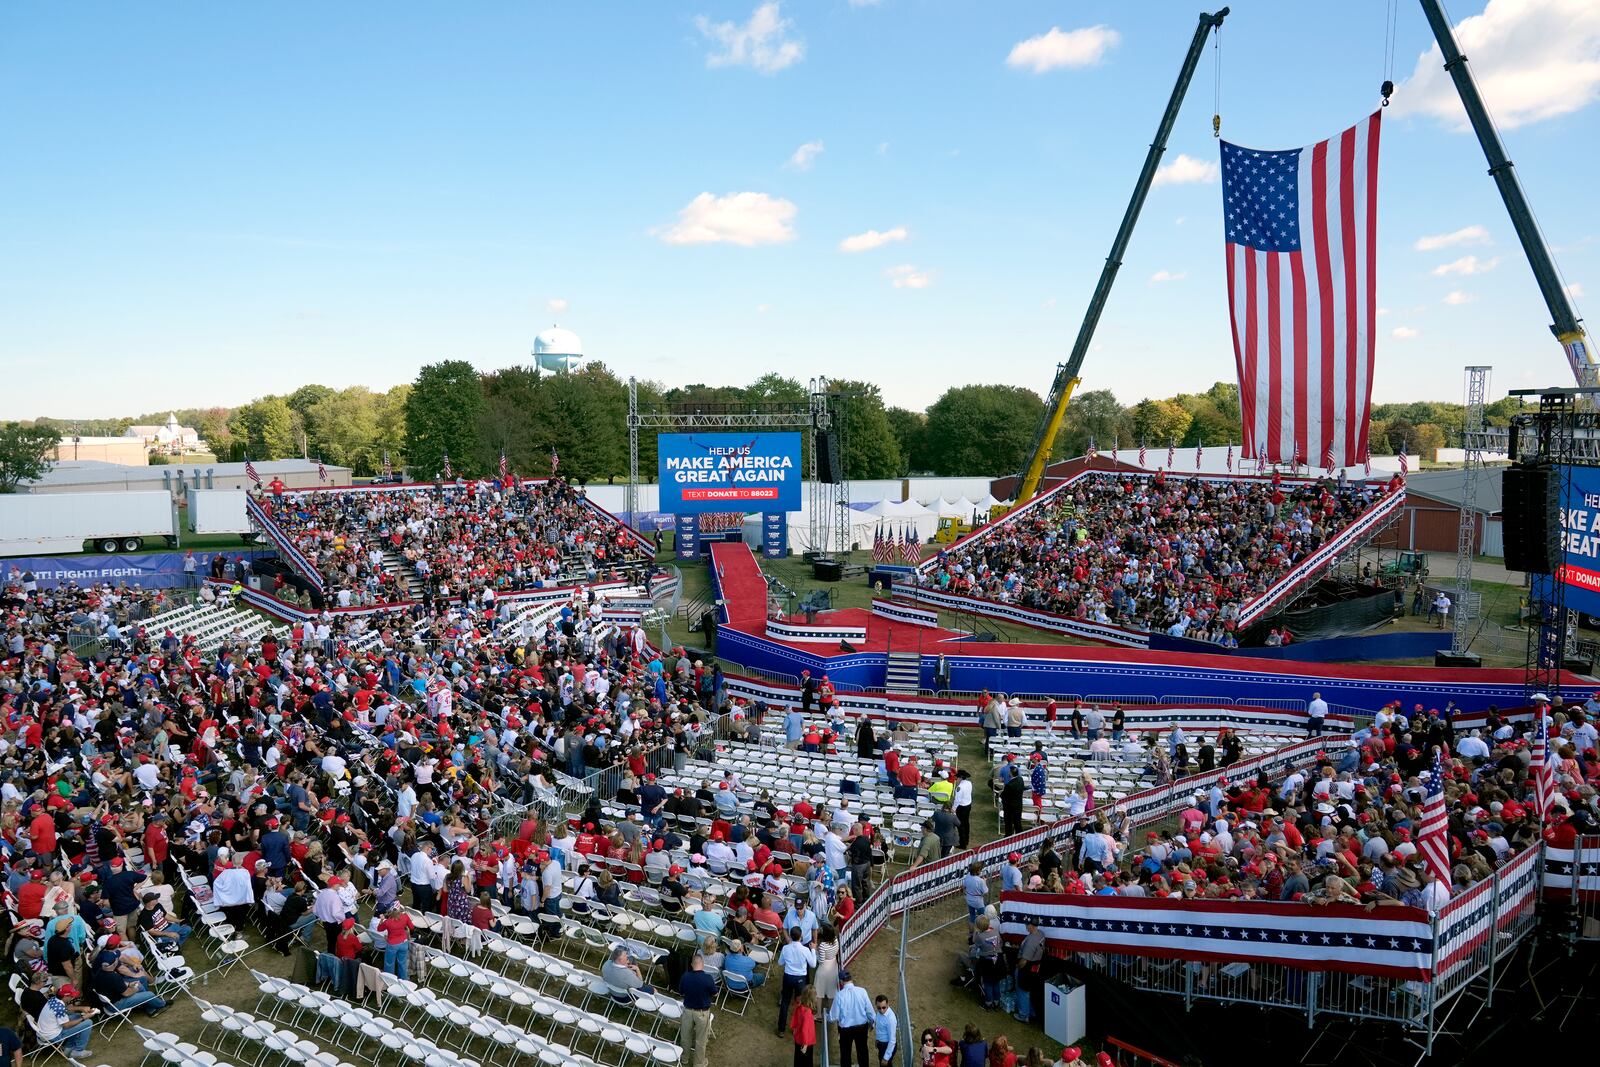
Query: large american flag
x,y
1541,770
250,471
1302,288
1433,835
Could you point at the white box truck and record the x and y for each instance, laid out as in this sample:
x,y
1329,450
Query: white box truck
x,y
45,524
218,511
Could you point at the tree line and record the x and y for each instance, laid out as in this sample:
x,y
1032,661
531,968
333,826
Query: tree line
x,y
532,416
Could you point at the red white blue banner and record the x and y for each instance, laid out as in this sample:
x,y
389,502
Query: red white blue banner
x,y
910,614
1394,942
1573,873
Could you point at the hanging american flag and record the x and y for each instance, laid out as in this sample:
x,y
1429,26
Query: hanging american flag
x,y
1144,458
1433,834
1405,467
1093,451
388,467
1229,460
1172,454
448,473
322,472
1302,229
555,461
1199,451
250,471
1541,771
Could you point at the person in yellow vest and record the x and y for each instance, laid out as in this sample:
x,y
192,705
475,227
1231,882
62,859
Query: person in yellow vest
x,y
941,789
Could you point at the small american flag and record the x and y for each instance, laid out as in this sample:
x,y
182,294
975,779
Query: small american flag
x,y
1540,769
1144,458
1172,454
880,547
1230,457
913,547
905,545
555,461
1405,466
1114,457
505,468
1093,451
1327,459
1433,834
322,471
1261,459
388,467
1199,451
250,471
448,473
1366,464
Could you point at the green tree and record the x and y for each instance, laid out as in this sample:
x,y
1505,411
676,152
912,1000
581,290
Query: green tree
x,y
265,428
983,429
25,453
871,449
389,420
343,428
443,413
588,424
1159,422
303,399
1430,438
911,432
776,389
1096,414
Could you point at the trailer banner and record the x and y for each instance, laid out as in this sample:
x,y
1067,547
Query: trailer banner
x,y
149,570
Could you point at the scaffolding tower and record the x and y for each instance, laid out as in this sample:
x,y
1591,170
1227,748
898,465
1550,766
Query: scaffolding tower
x,y
1467,601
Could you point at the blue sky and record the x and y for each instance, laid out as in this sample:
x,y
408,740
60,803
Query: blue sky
x,y
201,203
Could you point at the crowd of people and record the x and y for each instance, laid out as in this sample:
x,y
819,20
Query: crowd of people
x,y
481,535
1160,552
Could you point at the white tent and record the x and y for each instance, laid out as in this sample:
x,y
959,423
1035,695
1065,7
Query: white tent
x,y
956,509
896,515
862,526
986,503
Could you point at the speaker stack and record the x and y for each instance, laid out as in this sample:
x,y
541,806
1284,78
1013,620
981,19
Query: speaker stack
x,y
830,466
1532,518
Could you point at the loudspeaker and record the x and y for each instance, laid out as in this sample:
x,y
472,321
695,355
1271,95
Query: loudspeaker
x,y
846,646
830,468
1532,520
1445,658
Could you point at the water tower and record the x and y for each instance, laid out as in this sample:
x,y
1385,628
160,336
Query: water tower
x,y
557,350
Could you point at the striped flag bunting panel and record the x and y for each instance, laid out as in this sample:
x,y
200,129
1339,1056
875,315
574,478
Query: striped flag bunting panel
x,y
1582,861
1465,922
1394,942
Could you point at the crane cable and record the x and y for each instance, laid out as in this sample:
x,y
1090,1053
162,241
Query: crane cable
x,y
1216,82
1391,23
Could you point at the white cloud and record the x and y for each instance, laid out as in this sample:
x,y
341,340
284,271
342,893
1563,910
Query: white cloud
x,y
1404,333
1467,235
1383,311
801,160
557,305
905,276
1165,275
866,242
1466,265
1180,220
1575,290
1185,170
737,219
1456,297
762,309
1058,48
764,43
1533,59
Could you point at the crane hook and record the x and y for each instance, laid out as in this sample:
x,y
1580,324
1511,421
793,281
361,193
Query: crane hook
x,y
1387,89
1216,125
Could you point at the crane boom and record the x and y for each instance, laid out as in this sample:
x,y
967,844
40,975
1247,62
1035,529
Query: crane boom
x,y
1067,373
1565,323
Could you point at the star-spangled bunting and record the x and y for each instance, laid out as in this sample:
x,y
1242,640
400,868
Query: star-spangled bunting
x,y
1338,937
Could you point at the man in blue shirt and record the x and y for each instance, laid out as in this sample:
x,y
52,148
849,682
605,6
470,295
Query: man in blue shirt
x,y
852,1012
794,727
885,1031
697,988
738,961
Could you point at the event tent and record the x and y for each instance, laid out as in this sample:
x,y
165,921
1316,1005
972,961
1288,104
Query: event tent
x,y
896,515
